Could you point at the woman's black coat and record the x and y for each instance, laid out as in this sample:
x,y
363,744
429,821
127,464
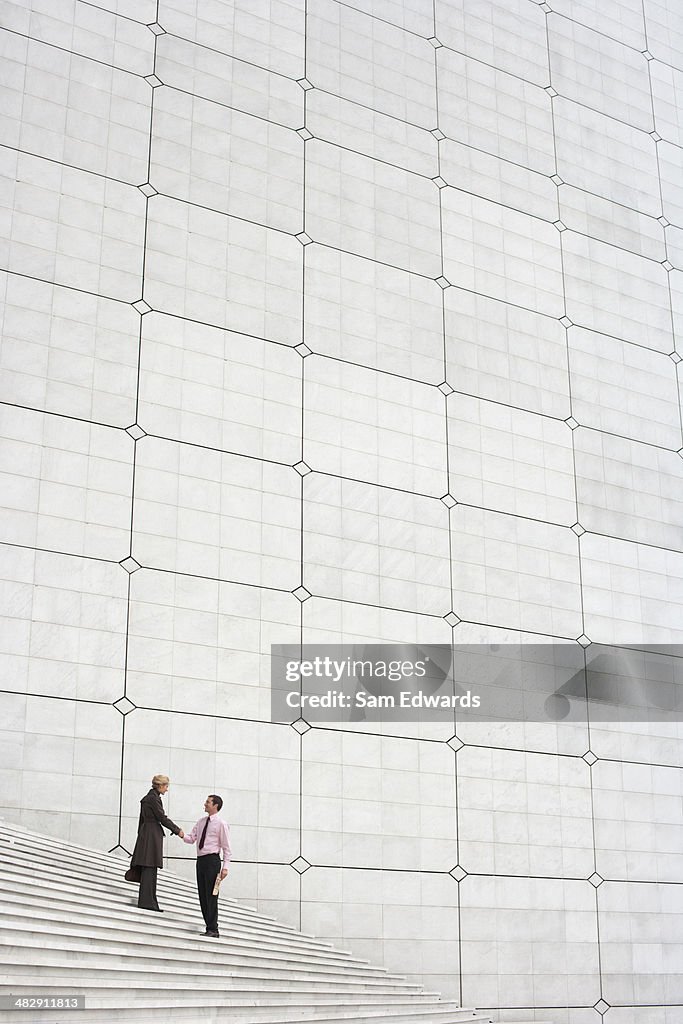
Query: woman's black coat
x,y
148,852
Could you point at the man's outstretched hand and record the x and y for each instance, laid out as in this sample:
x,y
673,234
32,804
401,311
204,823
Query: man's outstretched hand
x,y
181,834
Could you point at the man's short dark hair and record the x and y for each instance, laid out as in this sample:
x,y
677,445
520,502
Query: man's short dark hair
x,y
216,800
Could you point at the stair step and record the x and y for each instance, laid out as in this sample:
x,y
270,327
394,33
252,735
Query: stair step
x,y
212,1015
67,853
91,956
205,1000
54,962
96,987
71,876
126,904
23,920
72,927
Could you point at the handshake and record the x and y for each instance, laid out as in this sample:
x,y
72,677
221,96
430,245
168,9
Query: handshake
x,y
181,834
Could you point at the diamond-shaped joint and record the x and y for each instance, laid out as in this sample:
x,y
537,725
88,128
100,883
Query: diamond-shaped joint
x,y
578,529
436,43
455,743
449,501
557,180
301,726
560,225
551,92
303,238
546,7
303,349
300,864
458,873
301,594
647,55
124,705
136,431
141,306
663,221
451,618
438,134
302,468
601,1006
571,422
566,322
148,189
130,564
156,29
656,136
304,83
443,282
120,851
445,388
439,182
584,640
153,80
667,266
589,757
674,356
304,134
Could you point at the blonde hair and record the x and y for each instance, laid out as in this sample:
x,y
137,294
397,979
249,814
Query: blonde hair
x,y
159,780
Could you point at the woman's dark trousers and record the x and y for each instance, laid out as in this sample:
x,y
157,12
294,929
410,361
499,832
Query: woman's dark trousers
x,y
147,900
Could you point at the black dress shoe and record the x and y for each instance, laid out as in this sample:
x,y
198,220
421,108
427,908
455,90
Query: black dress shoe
x,y
213,935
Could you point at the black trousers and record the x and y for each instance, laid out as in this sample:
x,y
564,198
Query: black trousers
x,y
147,897
208,867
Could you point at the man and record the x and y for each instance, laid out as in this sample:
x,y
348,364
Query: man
x,y
214,838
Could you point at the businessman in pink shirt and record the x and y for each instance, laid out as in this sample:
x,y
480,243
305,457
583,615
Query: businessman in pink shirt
x,y
212,836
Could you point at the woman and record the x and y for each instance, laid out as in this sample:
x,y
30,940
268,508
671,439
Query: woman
x,y
148,852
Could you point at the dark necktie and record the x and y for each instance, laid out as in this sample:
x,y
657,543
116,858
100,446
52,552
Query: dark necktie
x,y
203,838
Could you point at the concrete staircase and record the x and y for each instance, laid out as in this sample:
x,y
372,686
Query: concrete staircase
x,y
134,966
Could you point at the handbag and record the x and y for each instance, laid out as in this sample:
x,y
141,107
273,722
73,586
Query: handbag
x,y
133,874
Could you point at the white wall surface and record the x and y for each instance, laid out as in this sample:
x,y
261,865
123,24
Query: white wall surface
x,y
278,276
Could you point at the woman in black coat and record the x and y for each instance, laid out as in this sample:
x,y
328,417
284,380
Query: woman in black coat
x,y
148,853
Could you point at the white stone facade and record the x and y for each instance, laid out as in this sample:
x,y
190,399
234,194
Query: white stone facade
x,y
278,275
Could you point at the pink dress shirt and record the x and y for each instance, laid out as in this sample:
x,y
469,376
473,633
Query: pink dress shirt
x,y
217,837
